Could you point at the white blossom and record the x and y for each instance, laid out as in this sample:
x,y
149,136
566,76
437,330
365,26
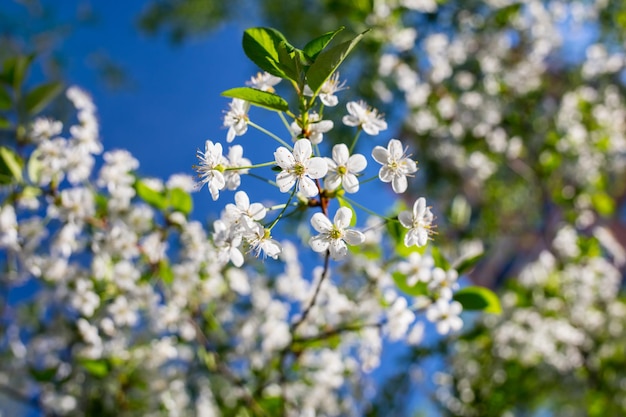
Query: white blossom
x,y
299,168
396,165
342,169
236,119
211,168
334,236
445,314
365,117
419,222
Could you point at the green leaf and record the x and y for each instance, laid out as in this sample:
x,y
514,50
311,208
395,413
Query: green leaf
x,y
344,203
328,61
259,98
465,265
165,272
180,200
39,97
478,298
440,260
262,46
96,367
5,123
419,288
603,203
317,45
43,375
5,99
34,167
10,166
153,197
14,70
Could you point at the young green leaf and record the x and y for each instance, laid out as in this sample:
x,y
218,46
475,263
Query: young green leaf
x,y
259,98
465,265
440,260
5,99
41,96
180,200
5,123
165,272
478,298
328,61
10,166
419,288
14,70
96,367
317,45
34,167
153,197
262,46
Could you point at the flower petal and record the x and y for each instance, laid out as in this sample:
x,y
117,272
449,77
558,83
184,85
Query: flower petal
x,y
308,187
353,237
319,243
395,149
350,183
343,217
302,150
242,201
317,167
399,184
321,223
406,218
356,163
419,208
338,249
285,181
284,158
380,155
341,154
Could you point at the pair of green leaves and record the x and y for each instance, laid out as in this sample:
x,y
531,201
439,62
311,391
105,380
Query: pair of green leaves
x,y
175,199
312,65
12,77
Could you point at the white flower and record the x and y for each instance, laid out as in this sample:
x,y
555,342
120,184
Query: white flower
x,y
211,168
444,283
43,128
419,222
235,160
263,81
446,315
236,119
262,241
365,117
298,167
328,90
334,237
396,165
227,242
314,130
244,212
342,169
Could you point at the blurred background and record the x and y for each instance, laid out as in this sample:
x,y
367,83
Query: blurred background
x,y
514,110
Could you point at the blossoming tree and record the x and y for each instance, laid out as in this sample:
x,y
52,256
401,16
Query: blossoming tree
x,y
136,308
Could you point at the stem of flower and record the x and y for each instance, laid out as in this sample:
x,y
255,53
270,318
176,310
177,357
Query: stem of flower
x,y
285,122
270,182
365,209
280,215
356,139
308,308
265,164
368,180
271,135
